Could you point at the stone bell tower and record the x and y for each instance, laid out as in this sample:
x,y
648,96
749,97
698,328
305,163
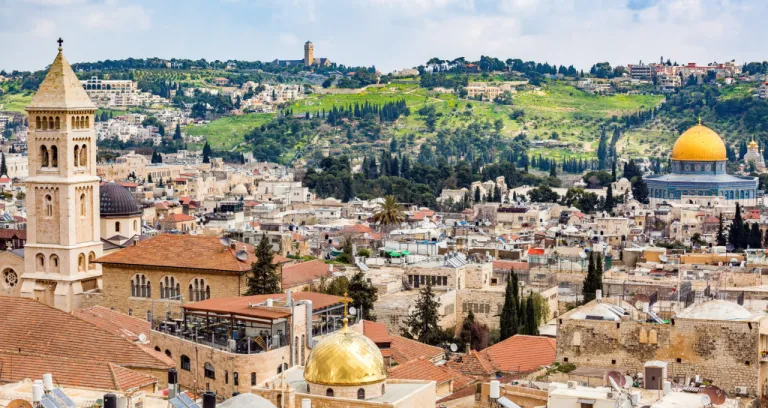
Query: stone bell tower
x,y
62,199
309,53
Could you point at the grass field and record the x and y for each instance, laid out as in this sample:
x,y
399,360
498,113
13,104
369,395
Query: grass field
x,y
15,102
228,132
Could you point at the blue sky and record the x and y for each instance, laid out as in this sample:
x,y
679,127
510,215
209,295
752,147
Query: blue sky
x,y
390,34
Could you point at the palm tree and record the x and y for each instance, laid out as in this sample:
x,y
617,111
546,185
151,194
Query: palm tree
x,y
389,213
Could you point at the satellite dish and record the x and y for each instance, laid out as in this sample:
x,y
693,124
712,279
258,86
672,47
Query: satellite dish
x,y
615,377
583,255
715,394
352,311
663,258
705,400
614,384
225,241
142,337
454,347
241,255
628,381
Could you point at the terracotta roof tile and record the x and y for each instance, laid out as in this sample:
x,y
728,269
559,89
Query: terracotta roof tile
x,y
126,379
510,265
34,327
404,350
7,233
377,332
304,272
114,322
471,363
178,218
521,353
185,251
420,369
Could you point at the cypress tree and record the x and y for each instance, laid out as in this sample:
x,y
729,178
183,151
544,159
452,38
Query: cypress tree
x,y
264,277
721,233
422,322
477,194
3,166
736,232
755,237
609,202
509,312
594,278
531,329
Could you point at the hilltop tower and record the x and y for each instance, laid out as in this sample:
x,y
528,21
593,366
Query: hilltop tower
x,y
63,239
309,53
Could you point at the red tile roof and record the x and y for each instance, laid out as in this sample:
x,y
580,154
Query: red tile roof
x,y
38,339
377,332
185,251
178,218
521,353
357,228
421,369
8,233
472,363
404,350
122,325
304,272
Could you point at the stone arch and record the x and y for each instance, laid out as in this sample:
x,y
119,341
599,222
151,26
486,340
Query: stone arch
x,y
81,263
140,286
58,123
329,392
40,262
199,289
91,260
361,393
51,124
643,336
45,123
48,205
53,263
84,156
38,123
10,277
169,287
44,157
77,155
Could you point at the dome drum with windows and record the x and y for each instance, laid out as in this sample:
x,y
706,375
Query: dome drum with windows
x,y
698,168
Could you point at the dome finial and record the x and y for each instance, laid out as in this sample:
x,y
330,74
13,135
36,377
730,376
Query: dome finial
x,y
699,119
346,302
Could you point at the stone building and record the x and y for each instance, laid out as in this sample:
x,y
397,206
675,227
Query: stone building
x,y
717,340
62,193
161,271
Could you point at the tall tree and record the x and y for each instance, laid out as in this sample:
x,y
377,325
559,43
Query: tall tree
x,y
474,333
509,312
264,279
736,232
609,201
363,295
594,279
3,166
477,197
721,232
421,323
640,190
177,132
755,237
531,328
207,152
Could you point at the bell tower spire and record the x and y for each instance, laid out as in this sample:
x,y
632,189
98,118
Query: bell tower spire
x,y
62,192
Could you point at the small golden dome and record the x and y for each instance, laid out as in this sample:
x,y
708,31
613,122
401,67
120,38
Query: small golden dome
x,y
699,143
752,144
345,358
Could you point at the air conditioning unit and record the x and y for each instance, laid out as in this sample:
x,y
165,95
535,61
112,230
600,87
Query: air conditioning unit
x,y
572,384
741,390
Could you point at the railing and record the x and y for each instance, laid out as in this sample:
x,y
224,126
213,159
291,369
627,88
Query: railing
x,y
247,345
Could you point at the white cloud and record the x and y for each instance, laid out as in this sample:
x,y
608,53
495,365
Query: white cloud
x,y
55,2
43,28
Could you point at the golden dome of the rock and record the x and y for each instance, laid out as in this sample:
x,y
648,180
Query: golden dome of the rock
x,y
699,143
345,358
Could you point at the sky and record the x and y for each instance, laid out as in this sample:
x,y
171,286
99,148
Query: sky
x,y
390,34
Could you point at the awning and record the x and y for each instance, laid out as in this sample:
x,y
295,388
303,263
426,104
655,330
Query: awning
x,y
586,401
405,252
504,402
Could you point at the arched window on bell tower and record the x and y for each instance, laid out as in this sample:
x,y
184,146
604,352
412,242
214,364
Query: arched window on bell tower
x,y
44,159
54,156
84,156
77,156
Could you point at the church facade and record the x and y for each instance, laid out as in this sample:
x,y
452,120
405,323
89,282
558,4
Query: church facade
x,y
698,170
56,265
308,61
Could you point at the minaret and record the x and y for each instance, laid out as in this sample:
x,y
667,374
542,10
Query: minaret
x,y
309,53
62,192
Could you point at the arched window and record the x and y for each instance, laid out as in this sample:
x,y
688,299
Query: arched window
x,y
199,290
48,205
226,377
87,122
51,125
253,379
653,336
135,226
58,123
92,260
329,392
77,155
140,286
361,394
82,205
168,353
54,156
44,160
38,124
54,262
74,123
117,226
186,364
81,263
45,123
236,379
40,262
84,156
209,371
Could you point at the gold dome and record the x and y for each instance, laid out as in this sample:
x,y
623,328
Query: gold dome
x,y
752,144
345,358
699,143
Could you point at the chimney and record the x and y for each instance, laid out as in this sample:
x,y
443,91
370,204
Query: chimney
x,y
172,383
209,400
599,294
110,401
